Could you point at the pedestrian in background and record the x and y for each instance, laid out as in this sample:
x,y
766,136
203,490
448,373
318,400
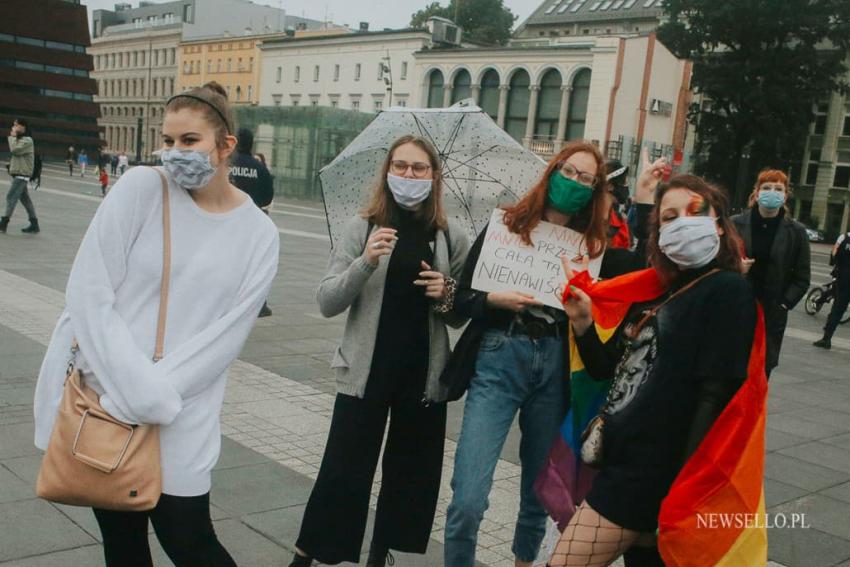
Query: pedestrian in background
x,y
252,176
123,163
83,161
104,181
840,258
777,256
113,162
70,159
224,255
394,270
21,168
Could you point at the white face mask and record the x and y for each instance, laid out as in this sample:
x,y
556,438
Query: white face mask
x,y
408,192
690,242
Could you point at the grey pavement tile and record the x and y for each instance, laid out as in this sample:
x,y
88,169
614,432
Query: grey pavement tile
x,y
777,404
234,454
248,547
13,488
281,525
805,427
776,493
800,547
802,474
822,513
839,440
259,488
88,555
16,440
776,439
17,396
32,527
821,454
840,492
25,468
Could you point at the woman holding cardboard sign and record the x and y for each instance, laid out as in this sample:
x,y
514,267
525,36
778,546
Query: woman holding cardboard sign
x,y
392,270
515,352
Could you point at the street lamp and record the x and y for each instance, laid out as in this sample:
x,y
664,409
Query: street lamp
x,y
387,73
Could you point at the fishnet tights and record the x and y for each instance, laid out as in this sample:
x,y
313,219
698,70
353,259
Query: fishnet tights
x,y
590,540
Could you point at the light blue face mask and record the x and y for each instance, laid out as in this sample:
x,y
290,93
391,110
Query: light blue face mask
x,y
771,200
190,169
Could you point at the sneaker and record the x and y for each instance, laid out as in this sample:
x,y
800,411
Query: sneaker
x,y
823,343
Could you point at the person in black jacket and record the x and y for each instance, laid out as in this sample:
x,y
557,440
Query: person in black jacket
x,y
778,256
677,362
251,176
840,258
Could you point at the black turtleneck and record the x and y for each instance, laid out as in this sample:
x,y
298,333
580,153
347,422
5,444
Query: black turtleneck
x,y
400,360
763,234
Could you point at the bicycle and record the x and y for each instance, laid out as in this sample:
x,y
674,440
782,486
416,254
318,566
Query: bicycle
x,y
821,295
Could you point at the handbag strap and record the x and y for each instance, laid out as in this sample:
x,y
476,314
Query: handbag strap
x,y
166,269
654,311
163,288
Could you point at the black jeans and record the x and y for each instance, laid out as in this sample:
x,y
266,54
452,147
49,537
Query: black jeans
x,y
335,519
839,306
183,528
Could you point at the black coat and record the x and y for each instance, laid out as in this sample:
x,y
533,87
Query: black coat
x,y
787,277
251,176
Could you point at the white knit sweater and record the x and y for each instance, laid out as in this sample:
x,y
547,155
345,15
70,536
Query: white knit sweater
x,y
221,270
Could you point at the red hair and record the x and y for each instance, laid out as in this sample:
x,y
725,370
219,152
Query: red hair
x,y
592,221
770,176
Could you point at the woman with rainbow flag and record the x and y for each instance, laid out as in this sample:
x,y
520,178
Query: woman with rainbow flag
x,y
679,435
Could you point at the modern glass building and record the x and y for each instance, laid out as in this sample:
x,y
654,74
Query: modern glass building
x,y
44,74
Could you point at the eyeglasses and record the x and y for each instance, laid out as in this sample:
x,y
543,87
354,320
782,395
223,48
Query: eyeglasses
x,y
572,172
772,187
398,167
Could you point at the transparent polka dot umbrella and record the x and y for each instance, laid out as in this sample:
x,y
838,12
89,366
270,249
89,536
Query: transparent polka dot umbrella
x,y
482,166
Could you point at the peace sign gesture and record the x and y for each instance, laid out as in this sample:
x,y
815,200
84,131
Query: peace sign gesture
x,y
650,174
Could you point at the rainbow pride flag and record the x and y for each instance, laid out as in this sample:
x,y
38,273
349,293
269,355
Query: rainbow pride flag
x,y
722,482
565,480
714,513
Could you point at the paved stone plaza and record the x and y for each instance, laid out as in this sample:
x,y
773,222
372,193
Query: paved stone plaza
x,y
281,392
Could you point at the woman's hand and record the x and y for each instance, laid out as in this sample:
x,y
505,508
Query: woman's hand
x,y
381,243
650,175
578,305
746,265
515,301
433,282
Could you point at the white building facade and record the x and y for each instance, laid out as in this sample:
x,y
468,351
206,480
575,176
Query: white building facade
x,y
618,92
344,71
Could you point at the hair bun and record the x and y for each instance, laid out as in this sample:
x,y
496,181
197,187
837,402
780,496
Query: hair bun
x,y
216,88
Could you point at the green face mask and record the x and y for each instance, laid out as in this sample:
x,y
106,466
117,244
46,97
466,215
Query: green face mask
x,y
566,195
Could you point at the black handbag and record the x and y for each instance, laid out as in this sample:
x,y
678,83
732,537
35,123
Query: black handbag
x,y
461,364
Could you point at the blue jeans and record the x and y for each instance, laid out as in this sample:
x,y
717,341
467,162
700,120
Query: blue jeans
x,y
512,373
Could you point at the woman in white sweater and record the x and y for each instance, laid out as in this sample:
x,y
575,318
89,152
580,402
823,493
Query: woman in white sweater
x,y
224,256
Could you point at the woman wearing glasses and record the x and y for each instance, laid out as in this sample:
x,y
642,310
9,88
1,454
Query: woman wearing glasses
x,y
520,365
394,269
778,256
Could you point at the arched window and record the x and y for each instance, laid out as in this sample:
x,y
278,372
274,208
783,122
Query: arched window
x,y
578,105
435,89
461,88
517,112
488,100
548,105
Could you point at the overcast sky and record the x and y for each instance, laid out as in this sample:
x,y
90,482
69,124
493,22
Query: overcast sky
x,y
379,13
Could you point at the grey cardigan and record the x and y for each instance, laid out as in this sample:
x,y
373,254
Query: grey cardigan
x,y
353,283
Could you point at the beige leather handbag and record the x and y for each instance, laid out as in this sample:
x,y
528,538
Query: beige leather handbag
x,y
94,459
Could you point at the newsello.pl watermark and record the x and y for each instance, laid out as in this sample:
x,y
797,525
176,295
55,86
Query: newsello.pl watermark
x,y
741,520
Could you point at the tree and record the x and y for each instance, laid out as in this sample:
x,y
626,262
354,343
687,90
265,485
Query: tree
x,y
761,66
483,21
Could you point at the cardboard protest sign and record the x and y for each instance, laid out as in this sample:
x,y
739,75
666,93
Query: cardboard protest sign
x,y
506,263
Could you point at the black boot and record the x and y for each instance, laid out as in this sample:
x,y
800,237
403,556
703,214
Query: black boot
x,y
4,222
823,343
32,228
379,557
301,561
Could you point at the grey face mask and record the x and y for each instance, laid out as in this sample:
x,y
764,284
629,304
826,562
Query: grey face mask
x,y
190,169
